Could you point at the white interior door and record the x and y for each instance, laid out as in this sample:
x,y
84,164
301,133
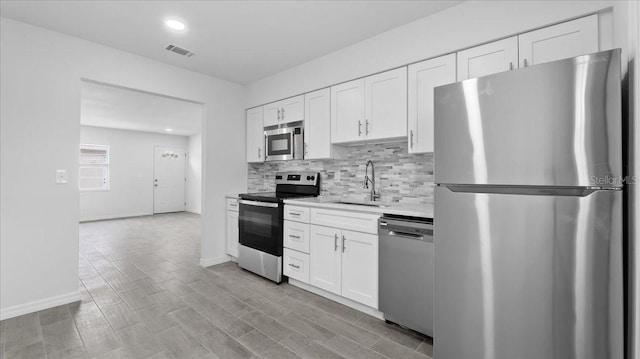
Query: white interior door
x,y
169,179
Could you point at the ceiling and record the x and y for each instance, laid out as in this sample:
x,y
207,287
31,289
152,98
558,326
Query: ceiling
x,y
239,41
115,107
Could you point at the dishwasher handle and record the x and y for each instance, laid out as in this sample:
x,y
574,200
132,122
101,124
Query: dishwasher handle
x,y
417,237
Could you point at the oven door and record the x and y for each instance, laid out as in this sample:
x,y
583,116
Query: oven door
x,y
279,144
260,226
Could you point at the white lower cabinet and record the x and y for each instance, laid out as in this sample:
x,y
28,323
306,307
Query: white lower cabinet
x,y
325,256
345,263
360,267
232,228
296,265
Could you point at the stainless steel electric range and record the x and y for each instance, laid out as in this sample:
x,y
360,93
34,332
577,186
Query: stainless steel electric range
x,y
261,222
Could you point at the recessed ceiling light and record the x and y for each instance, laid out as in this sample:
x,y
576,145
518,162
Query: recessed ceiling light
x,y
169,129
175,24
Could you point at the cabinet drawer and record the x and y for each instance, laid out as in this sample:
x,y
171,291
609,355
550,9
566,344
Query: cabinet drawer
x,y
296,236
232,204
354,221
294,213
296,265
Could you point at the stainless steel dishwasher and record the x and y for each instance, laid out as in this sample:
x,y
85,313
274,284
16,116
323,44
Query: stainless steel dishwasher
x,y
406,271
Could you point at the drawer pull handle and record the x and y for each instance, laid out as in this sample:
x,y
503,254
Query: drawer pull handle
x,y
293,236
294,266
294,213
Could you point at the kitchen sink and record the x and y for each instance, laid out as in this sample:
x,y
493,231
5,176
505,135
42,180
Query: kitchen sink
x,y
369,204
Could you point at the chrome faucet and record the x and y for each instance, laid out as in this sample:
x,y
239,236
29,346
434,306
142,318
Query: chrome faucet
x,y
373,195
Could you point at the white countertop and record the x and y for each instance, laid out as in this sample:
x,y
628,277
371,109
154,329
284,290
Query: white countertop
x,y
424,210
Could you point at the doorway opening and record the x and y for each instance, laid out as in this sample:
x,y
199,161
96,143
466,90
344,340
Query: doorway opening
x,y
154,156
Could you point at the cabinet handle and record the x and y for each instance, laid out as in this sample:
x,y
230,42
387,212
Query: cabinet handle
x,y
306,149
526,63
359,128
294,213
510,65
366,127
292,236
294,266
411,138
282,111
343,247
259,151
335,243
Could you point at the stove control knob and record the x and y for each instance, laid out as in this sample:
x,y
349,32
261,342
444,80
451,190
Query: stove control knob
x,y
313,177
308,178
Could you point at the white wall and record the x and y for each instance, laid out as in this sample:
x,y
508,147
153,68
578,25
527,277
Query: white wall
x,y
194,174
40,132
130,172
466,25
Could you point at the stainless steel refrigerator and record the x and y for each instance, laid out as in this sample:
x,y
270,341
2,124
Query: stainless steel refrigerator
x,y
528,213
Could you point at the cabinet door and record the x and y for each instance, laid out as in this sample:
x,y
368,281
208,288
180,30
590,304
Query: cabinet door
x,y
347,111
569,39
292,109
325,265
317,124
271,114
488,59
423,78
385,99
360,267
255,135
232,233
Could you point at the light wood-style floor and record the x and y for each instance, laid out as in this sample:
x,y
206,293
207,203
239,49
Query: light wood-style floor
x,y
145,296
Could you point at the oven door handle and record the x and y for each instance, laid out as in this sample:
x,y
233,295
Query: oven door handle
x,y
259,204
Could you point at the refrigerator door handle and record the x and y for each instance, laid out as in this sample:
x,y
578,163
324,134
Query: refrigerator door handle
x,y
531,190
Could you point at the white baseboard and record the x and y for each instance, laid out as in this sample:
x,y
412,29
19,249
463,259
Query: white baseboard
x,y
118,216
208,262
336,298
191,210
39,305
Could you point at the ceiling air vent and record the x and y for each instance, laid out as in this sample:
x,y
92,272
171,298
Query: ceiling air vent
x,y
179,50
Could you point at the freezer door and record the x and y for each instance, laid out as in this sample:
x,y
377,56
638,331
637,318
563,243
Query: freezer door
x,y
554,124
528,277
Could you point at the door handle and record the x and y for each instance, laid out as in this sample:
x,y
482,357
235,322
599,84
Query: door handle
x,y
343,246
335,242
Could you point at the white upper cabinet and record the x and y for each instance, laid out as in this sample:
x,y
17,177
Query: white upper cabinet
x,y
423,78
255,135
284,111
487,59
271,113
385,99
317,124
569,39
371,108
292,109
347,111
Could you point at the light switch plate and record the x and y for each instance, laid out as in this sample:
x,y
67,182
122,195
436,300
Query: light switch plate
x,y
61,176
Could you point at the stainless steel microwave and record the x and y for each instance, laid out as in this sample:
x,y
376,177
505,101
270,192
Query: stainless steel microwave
x,y
284,142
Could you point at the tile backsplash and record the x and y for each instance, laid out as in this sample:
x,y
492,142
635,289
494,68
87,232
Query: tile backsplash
x,y
400,176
